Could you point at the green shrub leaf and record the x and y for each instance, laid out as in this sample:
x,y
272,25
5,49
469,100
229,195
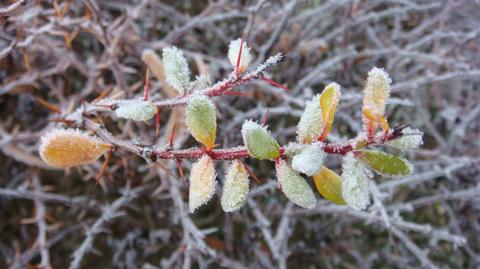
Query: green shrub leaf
x,y
383,163
201,120
329,185
259,142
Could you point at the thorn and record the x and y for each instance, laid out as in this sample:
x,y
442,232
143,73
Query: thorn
x,y
147,87
264,119
251,174
239,57
157,123
172,135
104,166
180,171
48,105
273,83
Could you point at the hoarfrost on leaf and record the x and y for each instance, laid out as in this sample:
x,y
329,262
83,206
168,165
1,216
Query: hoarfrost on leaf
x,y
235,190
294,186
201,120
138,110
177,72
310,160
259,141
310,125
355,191
202,183
411,139
234,50
68,147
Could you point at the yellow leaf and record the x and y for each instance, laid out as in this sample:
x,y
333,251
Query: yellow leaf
x,y
67,147
329,185
328,103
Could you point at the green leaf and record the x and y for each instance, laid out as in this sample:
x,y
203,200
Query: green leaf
x,y
329,185
383,163
201,120
294,186
309,127
259,142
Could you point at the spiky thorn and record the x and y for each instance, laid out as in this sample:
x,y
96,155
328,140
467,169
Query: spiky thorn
x,y
147,85
273,83
239,57
264,119
172,135
251,173
180,171
104,166
157,122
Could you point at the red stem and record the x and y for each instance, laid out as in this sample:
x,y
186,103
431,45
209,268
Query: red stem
x,y
241,152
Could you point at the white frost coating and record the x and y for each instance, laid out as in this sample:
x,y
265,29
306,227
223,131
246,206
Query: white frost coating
x,y
202,183
136,110
355,189
411,139
176,68
200,83
234,50
310,160
310,124
377,90
294,186
272,60
293,148
235,190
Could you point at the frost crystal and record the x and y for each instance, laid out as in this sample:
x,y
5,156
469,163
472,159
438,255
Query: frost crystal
x,y
234,50
310,160
136,110
377,91
310,124
259,142
67,148
235,189
201,120
411,139
294,186
176,68
202,183
200,83
355,190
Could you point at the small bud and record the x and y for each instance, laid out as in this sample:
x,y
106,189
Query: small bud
x,y
310,125
202,183
355,191
235,190
201,120
200,83
310,160
411,139
329,185
67,148
328,101
384,164
176,68
259,141
375,95
245,58
136,110
294,186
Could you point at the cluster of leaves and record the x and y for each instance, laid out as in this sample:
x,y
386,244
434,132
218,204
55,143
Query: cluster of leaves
x,y
304,157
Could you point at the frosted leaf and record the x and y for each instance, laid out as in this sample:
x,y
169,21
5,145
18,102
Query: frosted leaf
x,y
234,50
176,69
375,96
201,120
259,141
328,101
294,186
293,148
202,183
310,160
138,110
68,147
310,125
355,191
385,164
235,190
410,139
329,185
